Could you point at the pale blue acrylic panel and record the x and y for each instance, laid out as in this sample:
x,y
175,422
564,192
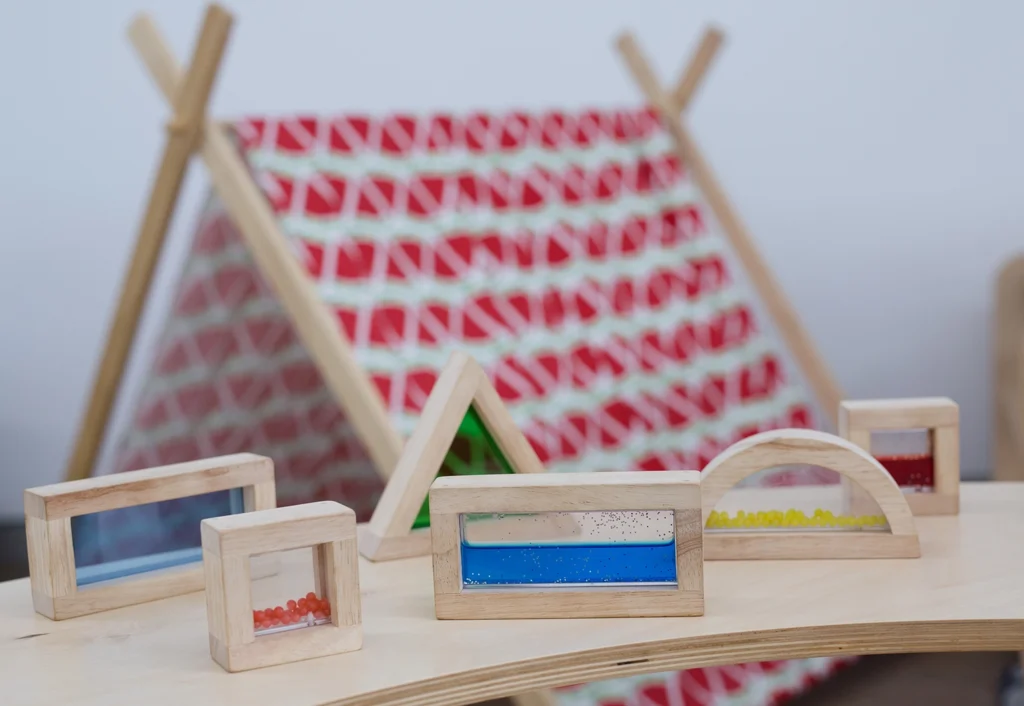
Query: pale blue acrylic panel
x,y
563,549
129,541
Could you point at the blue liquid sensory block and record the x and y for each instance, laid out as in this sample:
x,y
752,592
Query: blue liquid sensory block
x,y
570,563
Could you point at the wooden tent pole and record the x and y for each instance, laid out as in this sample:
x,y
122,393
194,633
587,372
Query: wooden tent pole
x,y
182,134
313,320
819,377
695,70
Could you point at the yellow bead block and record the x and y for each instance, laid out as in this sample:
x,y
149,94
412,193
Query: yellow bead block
x,y
791,518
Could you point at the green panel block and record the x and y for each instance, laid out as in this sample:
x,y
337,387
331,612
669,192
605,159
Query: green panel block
x,y
473,453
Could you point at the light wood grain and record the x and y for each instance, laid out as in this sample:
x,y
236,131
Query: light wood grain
x,y
49,509
314,322
151,485
963,594
1008,371
426,448
784,447
328,530
189,106
566,492
580,493
940,416
279,529
461,384
376,548
900,413
781,311
565,604
696,68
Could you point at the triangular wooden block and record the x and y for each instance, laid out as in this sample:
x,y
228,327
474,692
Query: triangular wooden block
x,y
464,407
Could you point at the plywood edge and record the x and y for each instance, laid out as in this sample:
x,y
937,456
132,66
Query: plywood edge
x,y
646,657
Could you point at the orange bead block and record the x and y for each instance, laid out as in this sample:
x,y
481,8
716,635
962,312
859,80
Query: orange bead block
x,y
309,609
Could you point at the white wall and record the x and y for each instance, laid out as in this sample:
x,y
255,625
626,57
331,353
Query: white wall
x,y
861,140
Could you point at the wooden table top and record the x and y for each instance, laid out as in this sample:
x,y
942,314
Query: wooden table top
x,y
966,593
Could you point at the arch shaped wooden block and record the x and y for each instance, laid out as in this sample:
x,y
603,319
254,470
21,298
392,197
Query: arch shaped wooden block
x,y
801,446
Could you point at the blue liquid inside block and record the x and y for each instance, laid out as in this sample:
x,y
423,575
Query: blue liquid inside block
x,y
111,570
135,540
573,564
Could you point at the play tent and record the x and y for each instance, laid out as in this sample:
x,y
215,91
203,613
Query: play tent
x,y
587,258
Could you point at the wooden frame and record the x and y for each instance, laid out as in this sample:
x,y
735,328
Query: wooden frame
x,y
1008,367
801,446
49,509
670,104
191,130
678,491
461,384
329,529
940,416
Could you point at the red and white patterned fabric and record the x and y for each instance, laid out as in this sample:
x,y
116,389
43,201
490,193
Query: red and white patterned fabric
x,y
567,252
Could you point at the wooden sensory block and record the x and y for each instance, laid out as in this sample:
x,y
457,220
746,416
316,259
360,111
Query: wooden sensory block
x,y
791,447
633,547
50,508
329,529
462,391
940,416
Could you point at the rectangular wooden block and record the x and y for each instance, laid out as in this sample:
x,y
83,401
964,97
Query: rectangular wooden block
x,y
329,529
49,510
900,413
595,509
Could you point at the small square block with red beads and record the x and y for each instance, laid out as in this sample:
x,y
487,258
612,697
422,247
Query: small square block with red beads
x,y
241,638
940,418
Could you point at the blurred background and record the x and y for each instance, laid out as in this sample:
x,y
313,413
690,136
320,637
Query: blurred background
x,y
872,148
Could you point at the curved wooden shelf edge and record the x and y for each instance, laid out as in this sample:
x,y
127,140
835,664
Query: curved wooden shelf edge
x,y
962,595
781,447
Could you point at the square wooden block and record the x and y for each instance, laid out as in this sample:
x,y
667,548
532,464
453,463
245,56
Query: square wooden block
x,y
56,592
586,545
940,416
329,529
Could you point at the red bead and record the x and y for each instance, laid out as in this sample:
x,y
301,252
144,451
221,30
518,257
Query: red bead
x,y
291,605
310,596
